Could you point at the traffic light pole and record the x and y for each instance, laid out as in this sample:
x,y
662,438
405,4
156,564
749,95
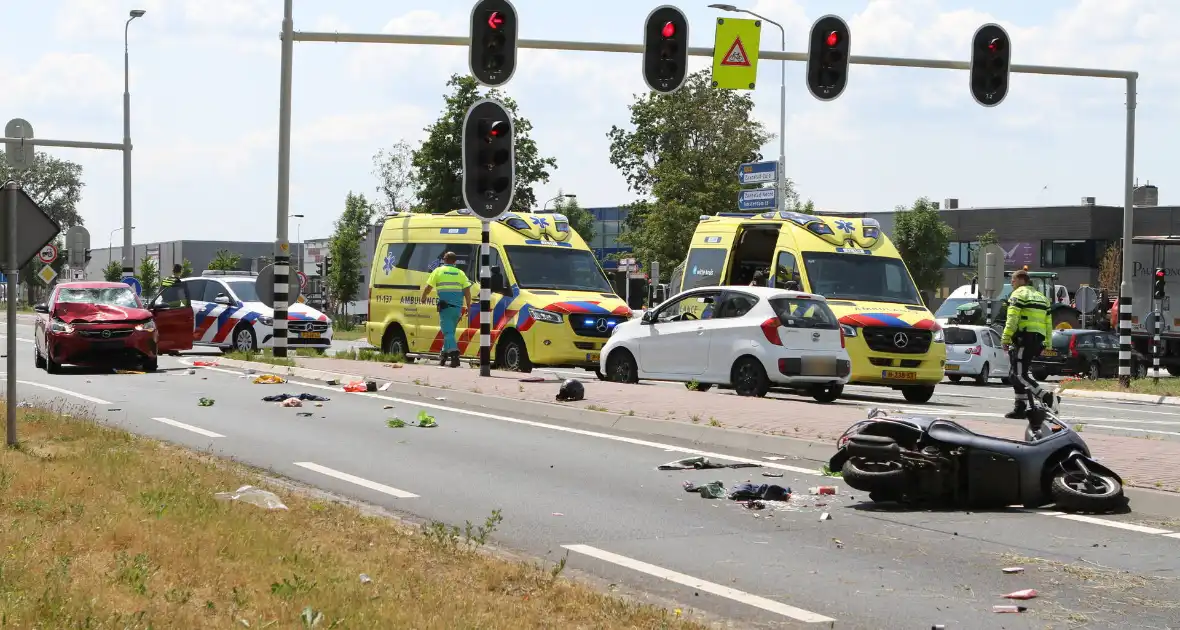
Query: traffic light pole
x,y
485,298
897,62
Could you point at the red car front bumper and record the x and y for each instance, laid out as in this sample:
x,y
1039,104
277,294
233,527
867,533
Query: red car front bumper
x,y
101,346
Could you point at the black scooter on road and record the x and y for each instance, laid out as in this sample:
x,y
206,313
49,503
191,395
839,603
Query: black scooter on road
x,y
910,458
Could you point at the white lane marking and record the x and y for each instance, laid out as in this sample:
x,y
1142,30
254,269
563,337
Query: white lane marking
x,y
1142,529
1171,535
1104,426
372,485
189,427
97,401
769,605
22,339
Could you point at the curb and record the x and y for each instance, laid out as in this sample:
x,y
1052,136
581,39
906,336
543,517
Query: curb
x,y
1150,399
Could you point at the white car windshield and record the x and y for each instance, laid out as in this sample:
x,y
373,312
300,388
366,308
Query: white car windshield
x,y
117,296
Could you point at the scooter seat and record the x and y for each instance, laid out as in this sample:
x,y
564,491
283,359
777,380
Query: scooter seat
x,y
872,440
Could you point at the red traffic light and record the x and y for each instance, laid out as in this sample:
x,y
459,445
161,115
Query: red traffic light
x,y
669,29
994,46
495,20
833,39
1159,273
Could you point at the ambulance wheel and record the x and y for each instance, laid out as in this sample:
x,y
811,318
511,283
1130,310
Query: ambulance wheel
x,y
244,340
395,343
511,353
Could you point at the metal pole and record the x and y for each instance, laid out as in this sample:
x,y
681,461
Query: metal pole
x,y
282,248
1128,228
485,298
1156,345
128,246
782,126
11,272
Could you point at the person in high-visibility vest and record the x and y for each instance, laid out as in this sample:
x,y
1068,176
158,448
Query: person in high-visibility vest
x,y
1028,325
174,278
452,285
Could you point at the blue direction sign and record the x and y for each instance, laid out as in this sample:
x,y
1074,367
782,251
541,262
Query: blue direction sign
x,y
133,282
758,173
757,198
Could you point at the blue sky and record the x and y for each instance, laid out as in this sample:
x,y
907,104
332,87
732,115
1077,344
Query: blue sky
x,y
205,102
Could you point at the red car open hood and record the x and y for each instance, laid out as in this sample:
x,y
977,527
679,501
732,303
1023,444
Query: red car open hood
x,y
70,312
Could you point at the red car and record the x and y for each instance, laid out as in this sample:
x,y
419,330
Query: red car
x,y
104,324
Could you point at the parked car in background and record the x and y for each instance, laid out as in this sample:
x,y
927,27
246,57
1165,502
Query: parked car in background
x,y
229,314
974,352
1081,352
748,338
107,324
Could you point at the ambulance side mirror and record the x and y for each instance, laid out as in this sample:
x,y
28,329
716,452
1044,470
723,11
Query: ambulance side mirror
x,y
499,284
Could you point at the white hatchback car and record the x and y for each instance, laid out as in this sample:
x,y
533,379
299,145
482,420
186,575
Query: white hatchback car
x,y
748,338
974,352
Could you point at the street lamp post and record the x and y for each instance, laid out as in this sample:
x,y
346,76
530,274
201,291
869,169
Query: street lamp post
x,y
781,182
563,196
128,251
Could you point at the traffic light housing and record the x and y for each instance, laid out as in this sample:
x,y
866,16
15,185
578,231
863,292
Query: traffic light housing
x,y
991,61
492,51
827,57
1157,284
319,269
489,159
665,49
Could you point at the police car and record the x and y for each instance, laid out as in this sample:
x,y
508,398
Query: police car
x,y
228,314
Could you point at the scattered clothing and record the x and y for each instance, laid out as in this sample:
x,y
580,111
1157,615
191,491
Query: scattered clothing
x,y
711,490
304,396
701,463
766,492
291,402
269,379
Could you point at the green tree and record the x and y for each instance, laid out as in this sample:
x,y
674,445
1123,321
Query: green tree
x,y
56,186
186,268
922,238
149,276
580,218
438,163
988,238
225,260
113,272
393,168
345,272
681,157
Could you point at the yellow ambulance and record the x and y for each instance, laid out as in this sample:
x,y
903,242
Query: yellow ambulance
x,y
892,338
552,305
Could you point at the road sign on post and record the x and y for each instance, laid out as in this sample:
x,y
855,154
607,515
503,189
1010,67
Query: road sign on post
x,y
264,286
665,49
827,57
78,245
757,198
20,154
735,53
133,282
48,254
302,280
34,229
489,159
46,274
492,51
758,173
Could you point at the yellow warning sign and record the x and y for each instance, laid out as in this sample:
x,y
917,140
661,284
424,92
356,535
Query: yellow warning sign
x,y
735,53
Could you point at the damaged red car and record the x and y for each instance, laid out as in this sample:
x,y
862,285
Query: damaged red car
x,y
105,324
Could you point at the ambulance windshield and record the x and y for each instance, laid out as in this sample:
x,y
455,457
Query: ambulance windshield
x,y
557,268
864,277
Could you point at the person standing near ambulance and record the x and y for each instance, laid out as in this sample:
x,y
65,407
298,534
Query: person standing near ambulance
x,y
1028,325
452,286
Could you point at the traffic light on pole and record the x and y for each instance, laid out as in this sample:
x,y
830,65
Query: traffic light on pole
x,y
827,57
991,60
319,269
665,49
492,51
1157,286
489,159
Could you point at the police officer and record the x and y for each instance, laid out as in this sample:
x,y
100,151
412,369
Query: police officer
x,y
174,278
1028,325
452,285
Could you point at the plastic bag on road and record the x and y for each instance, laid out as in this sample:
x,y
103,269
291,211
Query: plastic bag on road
x,y
254,496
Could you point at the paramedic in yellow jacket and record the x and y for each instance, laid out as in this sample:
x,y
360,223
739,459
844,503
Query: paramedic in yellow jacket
x,y
452,285
1027,327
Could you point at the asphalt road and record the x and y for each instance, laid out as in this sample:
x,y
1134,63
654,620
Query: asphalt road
x,y
597,496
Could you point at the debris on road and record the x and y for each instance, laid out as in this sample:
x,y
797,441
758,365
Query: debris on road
x,y
1008,609
365,579
440,397
395,423
825,517
533,379
754,505
388,407
319,404
426,420
269,379
332,381
355,386
291,402
558,514
571,390
205,363
1011,570
823,490
305,396
839,543
766,492
701,463
190,371
1028,593
129,372
254,496
202,402
772,474
305,414
711,490
386,386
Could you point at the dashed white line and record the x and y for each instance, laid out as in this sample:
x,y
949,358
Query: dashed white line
x,y
1081,518
97,401
21,339
769,605
365,483
1171,535
188,427
1104,426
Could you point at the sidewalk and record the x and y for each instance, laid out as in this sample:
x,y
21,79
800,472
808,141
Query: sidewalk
x,y
1144,462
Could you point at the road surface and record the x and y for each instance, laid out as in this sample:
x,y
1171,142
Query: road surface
x,y
597,496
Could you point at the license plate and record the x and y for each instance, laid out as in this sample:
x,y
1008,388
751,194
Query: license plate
x,y
1049,353
819,366
899,376
310,335
952,368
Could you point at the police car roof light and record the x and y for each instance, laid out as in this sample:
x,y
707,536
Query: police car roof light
x,y
220,272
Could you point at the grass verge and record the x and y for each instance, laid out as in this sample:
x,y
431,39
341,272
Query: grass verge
x,y
106,529
1165,386
268,356
348,334
368,354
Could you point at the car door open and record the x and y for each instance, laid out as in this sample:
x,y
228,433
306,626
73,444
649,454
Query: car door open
x,y
173,314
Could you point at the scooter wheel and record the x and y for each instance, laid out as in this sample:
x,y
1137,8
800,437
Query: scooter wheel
x,y
1102,494
882,477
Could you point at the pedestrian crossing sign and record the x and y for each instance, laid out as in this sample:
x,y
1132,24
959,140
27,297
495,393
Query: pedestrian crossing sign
x,y
735,53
